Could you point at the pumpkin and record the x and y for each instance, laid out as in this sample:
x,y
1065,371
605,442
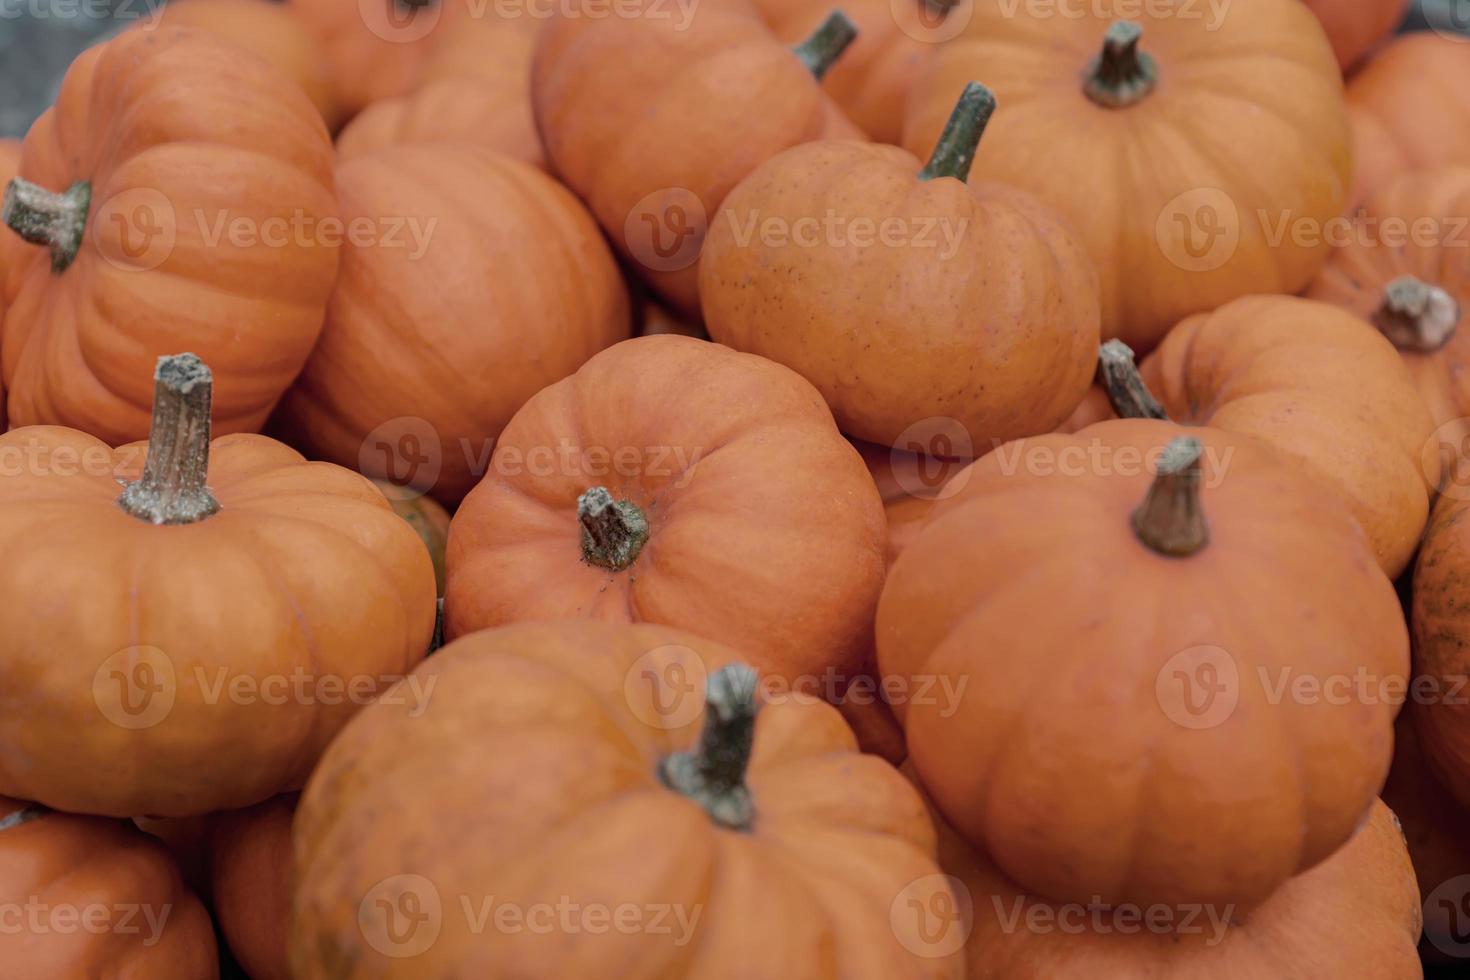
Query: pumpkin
x,y
1184,150
187,840
91,897
428,519
995,326
375,49
495,284
181,197
267,30
1355,26
474,89
658,320
653,160
1407,110
1127,613
242,603
764,842
1440,652
1320,386
250,881
676,481
9,166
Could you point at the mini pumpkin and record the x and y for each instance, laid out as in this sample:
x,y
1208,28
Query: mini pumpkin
x,y
652,160
1355,26
764,842
495,284
242,604
250,883
375,49
1441,653
181,197
1125,608
676,481
1174,145
996,324
92,897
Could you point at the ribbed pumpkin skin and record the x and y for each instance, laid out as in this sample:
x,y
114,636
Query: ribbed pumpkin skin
x,y
515,288
1247,117
303,570
570,807
250,879
375,49
59,864
617,131
765,529
1074,757
1441,647
178,131
1355,26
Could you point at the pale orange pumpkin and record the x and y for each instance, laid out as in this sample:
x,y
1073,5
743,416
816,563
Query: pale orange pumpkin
x,y
1355,26
375,49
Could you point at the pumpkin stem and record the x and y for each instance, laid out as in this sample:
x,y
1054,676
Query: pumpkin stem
x,y
955,152
821,51
27,813
1118,373
1417,316
613,531
713,775
172,489
1170,520
1121,75
43,218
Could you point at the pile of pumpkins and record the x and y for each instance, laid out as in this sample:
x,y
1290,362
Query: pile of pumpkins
x,y
928,485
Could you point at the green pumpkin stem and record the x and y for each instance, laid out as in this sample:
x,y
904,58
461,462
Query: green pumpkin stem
x,y
1171,520
713,775
1416,316
172,489
25,814
1121,75
613,531
42,217
955,153
821,51
1117,372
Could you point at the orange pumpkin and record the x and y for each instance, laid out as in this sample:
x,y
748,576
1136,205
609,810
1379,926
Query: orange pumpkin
x,y
250,875
1441,658
475,89
182,197
653,160
994,330
428,519
658,320
234,624
1185,158
1407,108
267,30
375,49
90,897
1355,26
9,166
1126,615
495,284
764,842
675,481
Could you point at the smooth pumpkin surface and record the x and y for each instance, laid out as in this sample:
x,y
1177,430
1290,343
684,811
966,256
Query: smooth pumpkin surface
x,y
586,800
1355,26
1178,191
973,304
224,646
110,901
375,49
428,518
760,524
1122,735
498,285
1442,643
250,881
210,196
652,158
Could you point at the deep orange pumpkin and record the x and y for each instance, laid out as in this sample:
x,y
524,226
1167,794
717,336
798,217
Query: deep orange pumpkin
x,y
250,882
107,898
1355,26
1441,654
676,481
497,285
185,195
1119,641
654,160
611,787
234,624
1179,156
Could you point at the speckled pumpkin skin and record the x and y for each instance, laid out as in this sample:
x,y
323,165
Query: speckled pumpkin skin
x,y
1441,620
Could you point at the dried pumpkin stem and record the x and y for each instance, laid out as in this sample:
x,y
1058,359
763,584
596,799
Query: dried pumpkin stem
x,y
1417,316
613,531
713,775
172,489
1171,520
23,815
821,51
45,218
1117,372
1121,75
955,152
